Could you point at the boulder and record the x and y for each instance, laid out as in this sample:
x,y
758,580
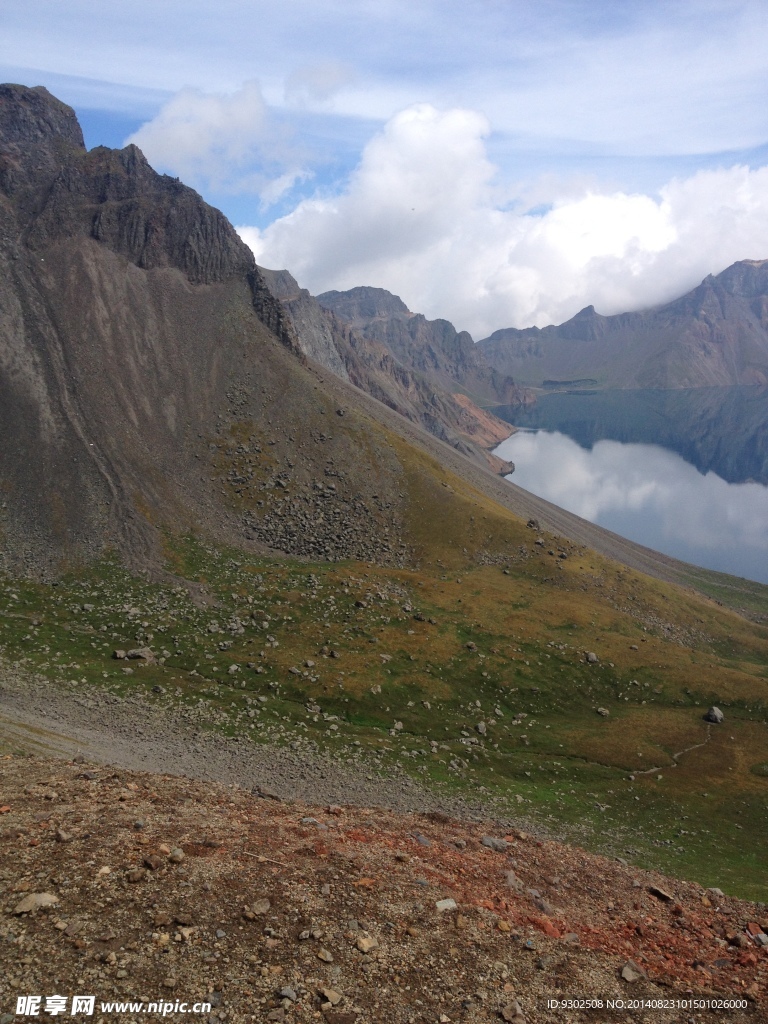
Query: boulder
x,y
32,903
141,654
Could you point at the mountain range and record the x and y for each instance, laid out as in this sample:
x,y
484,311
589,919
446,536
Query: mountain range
x,y
426,393
255,536
715,336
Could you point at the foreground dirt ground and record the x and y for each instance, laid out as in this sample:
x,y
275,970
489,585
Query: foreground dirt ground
x,y
171,889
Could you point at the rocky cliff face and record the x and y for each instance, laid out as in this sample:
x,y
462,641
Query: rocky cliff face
x,y
716,335
434,348
149,380
400,379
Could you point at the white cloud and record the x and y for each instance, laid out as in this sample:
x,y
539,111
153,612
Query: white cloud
x,y
420,216
317,82
650,495
661,76
224,142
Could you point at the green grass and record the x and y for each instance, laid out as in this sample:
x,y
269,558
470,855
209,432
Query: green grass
x,y
509,642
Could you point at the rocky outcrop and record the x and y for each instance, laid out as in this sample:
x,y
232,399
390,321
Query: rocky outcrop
x,y
135,332
317,334
715,336
449,358
344,346
54,191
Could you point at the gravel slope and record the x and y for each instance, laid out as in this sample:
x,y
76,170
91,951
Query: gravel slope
x,y
135,734
153,888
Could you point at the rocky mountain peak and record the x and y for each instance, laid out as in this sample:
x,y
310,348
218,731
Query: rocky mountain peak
x,y
38,134
58,191
34,119
358,305
745,279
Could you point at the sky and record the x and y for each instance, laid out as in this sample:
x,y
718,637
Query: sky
x,y
498,163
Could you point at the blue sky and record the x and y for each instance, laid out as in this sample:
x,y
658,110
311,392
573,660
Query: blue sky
x,y
495,162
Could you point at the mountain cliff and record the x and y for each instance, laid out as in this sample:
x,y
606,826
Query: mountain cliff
x,y
434,348
716,335
152,387
370,364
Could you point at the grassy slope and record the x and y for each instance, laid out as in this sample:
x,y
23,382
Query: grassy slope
x,y
490,627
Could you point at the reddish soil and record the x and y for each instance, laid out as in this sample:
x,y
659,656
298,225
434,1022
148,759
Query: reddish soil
x,y
159,924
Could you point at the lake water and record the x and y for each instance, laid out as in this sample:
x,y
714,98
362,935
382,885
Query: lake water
x,y
650,495
724,430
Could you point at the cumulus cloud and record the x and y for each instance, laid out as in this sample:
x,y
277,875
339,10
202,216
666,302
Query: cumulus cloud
x,y
651,495
223,142
423,216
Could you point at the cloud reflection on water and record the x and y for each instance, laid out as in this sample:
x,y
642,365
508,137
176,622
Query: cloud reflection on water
x,y
650,495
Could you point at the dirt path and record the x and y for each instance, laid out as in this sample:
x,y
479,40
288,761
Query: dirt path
x,y
676,757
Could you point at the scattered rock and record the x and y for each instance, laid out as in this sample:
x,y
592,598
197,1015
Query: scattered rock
x,y
144,654
631,973
365,943
714,715
513,1012
445,905
36,901
591,658
500,845
544,906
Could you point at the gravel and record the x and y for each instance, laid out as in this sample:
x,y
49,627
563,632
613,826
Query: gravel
x,y
135,733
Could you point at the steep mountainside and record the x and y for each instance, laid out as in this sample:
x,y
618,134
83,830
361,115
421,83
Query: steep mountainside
x,y
150,385
371,366
716,335
434,348
200,522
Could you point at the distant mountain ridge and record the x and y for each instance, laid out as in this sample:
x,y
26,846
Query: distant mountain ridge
x,y
433,347
336,332
714,336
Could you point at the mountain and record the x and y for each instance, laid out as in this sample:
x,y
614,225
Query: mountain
x,y
152,386
216,552
131,316
716,335
370,365
434,348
